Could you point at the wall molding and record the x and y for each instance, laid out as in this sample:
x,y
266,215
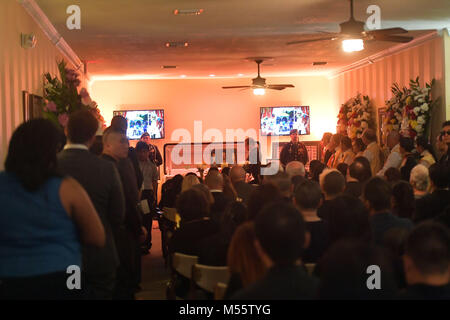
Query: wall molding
x,y
50,31
386,53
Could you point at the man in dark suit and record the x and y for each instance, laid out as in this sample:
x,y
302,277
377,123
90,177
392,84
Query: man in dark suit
x,y
115,149
377,195
281,237
433,204
243,189
101,181
214,182
294,150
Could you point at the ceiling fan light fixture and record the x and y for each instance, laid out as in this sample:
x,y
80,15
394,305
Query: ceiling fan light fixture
x,y
351,45
259,91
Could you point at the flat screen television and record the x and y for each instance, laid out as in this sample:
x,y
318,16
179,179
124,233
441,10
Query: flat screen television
x,y
279,121
140,121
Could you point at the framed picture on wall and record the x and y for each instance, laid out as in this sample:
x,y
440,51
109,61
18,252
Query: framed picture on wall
x,y
381,116
33,106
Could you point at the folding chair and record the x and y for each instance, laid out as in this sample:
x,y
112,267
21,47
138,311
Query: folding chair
x,y
207,277
181,265
219,291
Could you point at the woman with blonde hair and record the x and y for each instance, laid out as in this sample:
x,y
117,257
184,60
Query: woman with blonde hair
x,y
189,181
244,262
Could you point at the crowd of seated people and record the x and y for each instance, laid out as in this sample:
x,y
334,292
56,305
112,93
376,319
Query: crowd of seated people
x,y
355,208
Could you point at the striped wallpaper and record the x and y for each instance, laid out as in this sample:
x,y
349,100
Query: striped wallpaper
x,y
425,60
20,69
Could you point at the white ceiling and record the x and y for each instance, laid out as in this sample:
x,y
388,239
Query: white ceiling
x,y
123,37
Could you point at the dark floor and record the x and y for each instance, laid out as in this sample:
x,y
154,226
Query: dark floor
x,y
154,275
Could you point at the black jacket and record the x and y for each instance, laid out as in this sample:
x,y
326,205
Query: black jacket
x,y
101,181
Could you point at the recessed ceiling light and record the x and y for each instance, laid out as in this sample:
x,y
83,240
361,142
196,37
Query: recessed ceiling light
x,y
188,12
212,75
240,75
175,44
183,76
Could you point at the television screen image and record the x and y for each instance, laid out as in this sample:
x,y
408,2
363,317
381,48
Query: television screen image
x,y
140,121
279,121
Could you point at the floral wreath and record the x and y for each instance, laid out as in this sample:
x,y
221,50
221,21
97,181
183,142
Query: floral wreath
x,y
355,116
409,109
63,97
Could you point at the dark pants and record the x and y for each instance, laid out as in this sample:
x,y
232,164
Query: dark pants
x,y
127,273
52,286
147,219
99,286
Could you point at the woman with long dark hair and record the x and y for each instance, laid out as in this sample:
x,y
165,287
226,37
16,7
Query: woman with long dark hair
x,y
44,217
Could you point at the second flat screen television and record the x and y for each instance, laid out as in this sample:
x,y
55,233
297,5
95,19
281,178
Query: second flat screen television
x,y
279,121
140,121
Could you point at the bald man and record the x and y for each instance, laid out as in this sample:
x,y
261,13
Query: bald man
x,y
394,159
243,189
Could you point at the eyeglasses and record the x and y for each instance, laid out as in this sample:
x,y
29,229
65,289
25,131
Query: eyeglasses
x,y
443,133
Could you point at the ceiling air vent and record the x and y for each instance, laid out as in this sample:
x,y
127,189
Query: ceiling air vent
x,y
187,12
176,44
319,63
168,67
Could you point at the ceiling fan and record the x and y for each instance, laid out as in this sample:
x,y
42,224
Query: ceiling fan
x,y
353,34
259,85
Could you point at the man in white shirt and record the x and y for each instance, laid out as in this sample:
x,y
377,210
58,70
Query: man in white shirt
x,y
394,159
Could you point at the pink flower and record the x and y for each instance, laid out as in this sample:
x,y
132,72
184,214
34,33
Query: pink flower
x,y
63,119
51,106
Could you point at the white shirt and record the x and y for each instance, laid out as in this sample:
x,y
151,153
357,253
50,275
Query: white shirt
x,y
368,153
76,146
394,160
149,173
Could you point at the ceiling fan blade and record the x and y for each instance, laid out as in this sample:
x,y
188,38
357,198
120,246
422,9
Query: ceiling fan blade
x,y
279,86
401,39
311,40
237,87
386,31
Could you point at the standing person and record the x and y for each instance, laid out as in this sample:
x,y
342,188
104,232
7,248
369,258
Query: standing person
x,y
346,155
333,150
253,160
373,152
409,160
358,147
101,181
115,149
43,218
150,175
394,158
442,148
119,123
425,151
326,138
294,150
154,156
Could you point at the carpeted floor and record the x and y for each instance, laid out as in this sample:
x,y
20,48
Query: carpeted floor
x,y
154,274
